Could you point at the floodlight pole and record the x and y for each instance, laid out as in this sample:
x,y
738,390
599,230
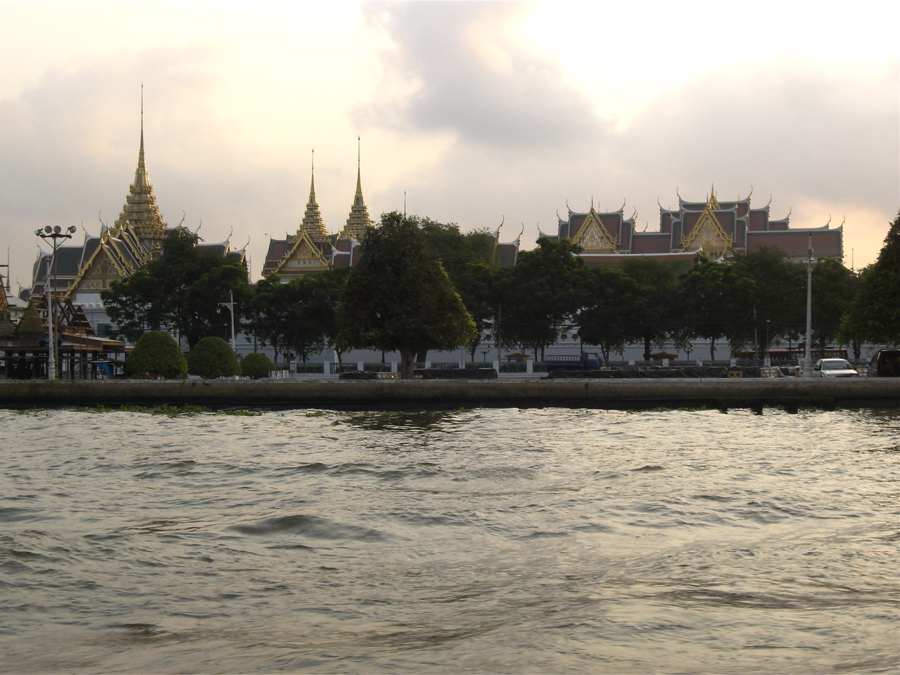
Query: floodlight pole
x,y
54,235
807,360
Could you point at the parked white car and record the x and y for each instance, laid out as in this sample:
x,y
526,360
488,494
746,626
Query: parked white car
x,y
834,368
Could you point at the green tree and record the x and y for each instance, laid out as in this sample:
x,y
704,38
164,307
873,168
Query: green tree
x,y
156,353
874,315
456,250
477,287
264,313
468,259
299,316
603,320
134,305
539,298
719,303
310,320
212,357
399,298
779,305
654,316
181,290
257,366
833,290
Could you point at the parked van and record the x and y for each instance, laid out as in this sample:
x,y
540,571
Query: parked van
x,y
885,363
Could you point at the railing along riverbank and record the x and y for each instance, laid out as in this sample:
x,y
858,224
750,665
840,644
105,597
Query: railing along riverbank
x,y
629,394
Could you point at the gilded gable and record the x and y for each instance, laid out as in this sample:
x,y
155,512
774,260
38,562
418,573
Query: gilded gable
x,y
593,236
303,256
708,235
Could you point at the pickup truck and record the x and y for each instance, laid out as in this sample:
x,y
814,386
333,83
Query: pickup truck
x,y
585,361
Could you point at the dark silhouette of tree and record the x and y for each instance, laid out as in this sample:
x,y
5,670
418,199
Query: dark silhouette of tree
x,y
539,298
181,291
399,298
779,300
654,317
718,303
607,293
874,315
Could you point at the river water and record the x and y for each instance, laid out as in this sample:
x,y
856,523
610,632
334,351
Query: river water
x,y
482,541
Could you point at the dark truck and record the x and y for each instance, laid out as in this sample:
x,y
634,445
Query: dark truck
x,y
585,361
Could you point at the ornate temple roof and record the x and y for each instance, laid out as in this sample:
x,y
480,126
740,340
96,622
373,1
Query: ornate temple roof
x,y
140,210
718,229
312,224
358,222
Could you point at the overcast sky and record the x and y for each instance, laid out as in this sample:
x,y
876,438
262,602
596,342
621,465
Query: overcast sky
x,y
477,112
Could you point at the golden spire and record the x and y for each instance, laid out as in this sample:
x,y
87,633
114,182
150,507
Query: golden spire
x,y
141,178
4,304
312,224
358,221
140,210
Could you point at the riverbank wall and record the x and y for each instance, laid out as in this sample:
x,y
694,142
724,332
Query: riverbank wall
x,y
723,394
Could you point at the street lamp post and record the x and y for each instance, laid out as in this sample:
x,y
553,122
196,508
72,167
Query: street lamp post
x,y
54,235
230,306
807,360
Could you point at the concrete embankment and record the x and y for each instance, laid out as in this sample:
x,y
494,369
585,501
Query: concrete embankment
x,y
790,393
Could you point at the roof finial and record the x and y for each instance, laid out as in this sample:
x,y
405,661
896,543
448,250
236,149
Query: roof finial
x,y
359,199
142,116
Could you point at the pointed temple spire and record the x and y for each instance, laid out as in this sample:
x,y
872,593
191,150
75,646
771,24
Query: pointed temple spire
x,y
4,303
140,211
358,221
141,178
312,224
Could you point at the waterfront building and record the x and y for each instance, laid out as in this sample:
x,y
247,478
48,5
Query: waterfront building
x,y
311,248
715,229
81,272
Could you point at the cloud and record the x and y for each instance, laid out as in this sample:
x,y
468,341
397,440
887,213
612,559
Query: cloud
x,y
456,67
822,130
69,147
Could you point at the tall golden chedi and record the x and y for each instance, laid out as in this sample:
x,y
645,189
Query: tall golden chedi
x,y
140,211
312,224
311,248
358,222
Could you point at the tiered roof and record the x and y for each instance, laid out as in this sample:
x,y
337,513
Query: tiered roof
x,y
140,211
506,253
358,222
136,238
311,248
716,229
312,224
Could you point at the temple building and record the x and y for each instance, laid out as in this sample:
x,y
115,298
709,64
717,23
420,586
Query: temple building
x,y
715,229
81,272
311,248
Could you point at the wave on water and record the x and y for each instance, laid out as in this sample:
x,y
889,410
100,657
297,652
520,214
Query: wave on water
x,y
499,541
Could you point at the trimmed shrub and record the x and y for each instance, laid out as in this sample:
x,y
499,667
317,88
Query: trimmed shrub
x,y
212,357
257,366
156,353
